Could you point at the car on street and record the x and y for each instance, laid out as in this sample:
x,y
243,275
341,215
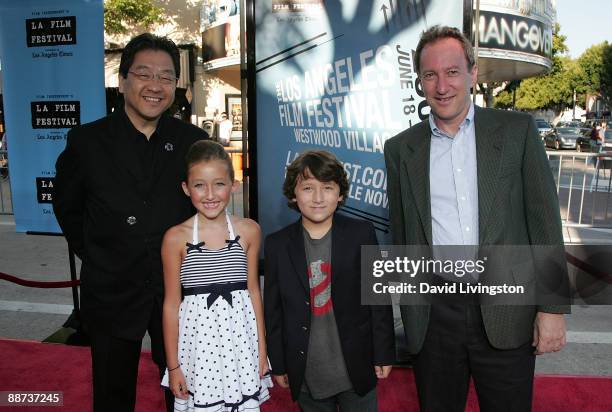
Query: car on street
x,y
592,122
544,127
570,123
584,143
562,138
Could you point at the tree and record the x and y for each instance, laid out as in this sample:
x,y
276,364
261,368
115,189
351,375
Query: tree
x,y
593,71
553,90
121,15
559,48
590,67
487,90
606,75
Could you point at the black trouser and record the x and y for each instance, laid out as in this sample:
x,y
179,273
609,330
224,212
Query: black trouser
x,y
115,367
347,401
455,348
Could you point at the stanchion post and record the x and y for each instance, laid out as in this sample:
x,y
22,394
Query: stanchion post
x,y
73,278
63,335
74,320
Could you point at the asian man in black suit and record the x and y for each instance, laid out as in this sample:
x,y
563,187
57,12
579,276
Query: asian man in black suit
x,y
117,190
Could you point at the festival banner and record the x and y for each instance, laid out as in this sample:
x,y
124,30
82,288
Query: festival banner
x,y
338,76
52,55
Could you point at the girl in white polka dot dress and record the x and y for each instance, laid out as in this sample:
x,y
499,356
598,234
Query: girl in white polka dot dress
x,y
214,337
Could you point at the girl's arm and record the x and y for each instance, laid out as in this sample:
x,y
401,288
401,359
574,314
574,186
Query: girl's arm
x,y
172,247
253,237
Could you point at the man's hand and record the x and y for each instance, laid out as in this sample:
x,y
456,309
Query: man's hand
x,y
282,380
548,332
382,371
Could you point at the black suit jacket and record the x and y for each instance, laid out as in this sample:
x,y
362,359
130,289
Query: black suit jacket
x,y
115,225
517,205
366,332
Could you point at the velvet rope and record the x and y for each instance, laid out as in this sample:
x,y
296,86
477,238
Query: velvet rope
x,y
573,260
38,284
585,267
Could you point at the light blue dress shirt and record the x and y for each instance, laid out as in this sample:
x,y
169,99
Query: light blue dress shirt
x,y
453,183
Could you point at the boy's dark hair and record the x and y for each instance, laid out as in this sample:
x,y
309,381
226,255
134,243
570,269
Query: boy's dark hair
x,y
436,33
148,41
205,150
321,165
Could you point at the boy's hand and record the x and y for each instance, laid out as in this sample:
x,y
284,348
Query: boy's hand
x,y
282,380
382,372
177,384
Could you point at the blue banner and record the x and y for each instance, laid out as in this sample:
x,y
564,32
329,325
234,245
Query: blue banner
x,y
52,55
338,76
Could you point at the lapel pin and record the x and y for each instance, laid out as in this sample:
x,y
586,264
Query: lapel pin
x,y
169,147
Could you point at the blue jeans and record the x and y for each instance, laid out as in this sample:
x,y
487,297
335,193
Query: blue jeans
x,y
348,401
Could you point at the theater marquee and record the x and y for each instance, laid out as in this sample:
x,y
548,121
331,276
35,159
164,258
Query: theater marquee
x,y
514,40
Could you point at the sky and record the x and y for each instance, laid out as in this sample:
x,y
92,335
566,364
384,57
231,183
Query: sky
x,y
585,23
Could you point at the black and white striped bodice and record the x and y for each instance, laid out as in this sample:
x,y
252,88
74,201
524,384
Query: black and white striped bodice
x,y
203,266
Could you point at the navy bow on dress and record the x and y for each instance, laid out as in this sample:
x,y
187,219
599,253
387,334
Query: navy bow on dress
x,y
197,247
216,290
232,242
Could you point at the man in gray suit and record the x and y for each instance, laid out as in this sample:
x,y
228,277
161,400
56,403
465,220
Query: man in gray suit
x,y
472,176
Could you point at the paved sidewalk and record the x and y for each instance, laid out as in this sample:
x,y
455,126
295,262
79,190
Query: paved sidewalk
x,y
587,236
31,313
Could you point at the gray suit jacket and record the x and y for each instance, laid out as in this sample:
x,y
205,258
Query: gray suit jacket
x,y
517,205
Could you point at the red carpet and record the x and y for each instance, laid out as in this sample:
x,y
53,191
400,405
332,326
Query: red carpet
x,y
31,366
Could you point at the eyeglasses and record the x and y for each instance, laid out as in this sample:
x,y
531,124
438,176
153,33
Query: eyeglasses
x,y
164,78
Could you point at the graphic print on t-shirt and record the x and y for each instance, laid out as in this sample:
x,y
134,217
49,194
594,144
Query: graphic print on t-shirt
x,y
319,277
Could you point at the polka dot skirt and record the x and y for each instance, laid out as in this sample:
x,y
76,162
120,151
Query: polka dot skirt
x,y
218,352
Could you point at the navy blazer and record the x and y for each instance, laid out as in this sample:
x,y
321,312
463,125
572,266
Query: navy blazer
x,y
366,332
